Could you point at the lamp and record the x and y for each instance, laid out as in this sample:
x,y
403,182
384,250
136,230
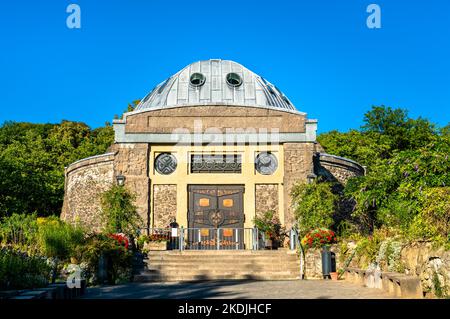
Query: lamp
x,y
120,179
311,178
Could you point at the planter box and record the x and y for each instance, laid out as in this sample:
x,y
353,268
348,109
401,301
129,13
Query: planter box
x,y
156,245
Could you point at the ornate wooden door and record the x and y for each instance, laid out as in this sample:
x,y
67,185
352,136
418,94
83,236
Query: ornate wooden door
x,y
213,207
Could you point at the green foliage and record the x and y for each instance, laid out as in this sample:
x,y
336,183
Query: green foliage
x,y
19,270
406,159
364,147
32,161
120,213
269,224
433,220
58,239
314,205
439,290
115,255
19,230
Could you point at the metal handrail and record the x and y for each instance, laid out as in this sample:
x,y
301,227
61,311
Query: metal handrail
x,y
295,233
214,238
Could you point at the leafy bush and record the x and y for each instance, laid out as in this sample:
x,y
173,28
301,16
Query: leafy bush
x,y
314,205
18,270
270,225
118,258
433,221
58,239
19,230
120,213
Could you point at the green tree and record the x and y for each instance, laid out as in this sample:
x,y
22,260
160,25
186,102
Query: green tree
x,y
32,161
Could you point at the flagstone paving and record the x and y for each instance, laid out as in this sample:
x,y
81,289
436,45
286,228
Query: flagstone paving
x,y
299,289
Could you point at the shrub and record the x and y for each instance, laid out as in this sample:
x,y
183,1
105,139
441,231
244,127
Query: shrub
x,y
314,205
270,225
433,221
120,213
19,230
117,256
18,270
58,239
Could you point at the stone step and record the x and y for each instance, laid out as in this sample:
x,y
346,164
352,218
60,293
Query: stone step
x,y
223,252
206,257
209,257
218,271
220,267
233,276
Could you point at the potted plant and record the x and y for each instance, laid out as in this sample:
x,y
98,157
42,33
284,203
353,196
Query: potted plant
x,y
269,224
156,241
321,238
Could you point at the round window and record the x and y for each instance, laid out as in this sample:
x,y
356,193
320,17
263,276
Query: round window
x,y
266,163
165,163
197,79
234,79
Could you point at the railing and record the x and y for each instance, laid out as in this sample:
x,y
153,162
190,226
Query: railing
x,y
207,238
296,244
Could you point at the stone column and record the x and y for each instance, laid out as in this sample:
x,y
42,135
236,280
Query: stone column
x,y
132,160
298,163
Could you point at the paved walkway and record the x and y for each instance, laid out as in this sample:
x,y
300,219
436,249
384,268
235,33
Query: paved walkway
x,y
310,289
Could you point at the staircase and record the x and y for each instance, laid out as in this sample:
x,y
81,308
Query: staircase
x,y
169,265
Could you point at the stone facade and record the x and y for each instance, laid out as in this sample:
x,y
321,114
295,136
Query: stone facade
x,y
217,117
266,198
164,205
298,163
131,160
85,181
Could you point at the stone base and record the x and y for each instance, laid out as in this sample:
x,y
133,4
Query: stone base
x,y
158,246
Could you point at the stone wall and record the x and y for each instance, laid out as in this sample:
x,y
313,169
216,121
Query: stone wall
x,y
132,160
85,181
266,198
419,259
221,117
164,204
424,261
335,168
313,262
298,163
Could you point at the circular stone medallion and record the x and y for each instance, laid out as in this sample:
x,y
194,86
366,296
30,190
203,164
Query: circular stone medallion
x,y
165,163
266,163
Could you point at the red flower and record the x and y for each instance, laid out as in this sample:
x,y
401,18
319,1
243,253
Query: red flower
x,y
121,239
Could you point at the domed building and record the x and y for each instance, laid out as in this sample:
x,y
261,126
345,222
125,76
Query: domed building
x,y
212,146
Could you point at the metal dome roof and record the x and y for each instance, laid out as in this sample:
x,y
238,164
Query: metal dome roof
x,y
215,82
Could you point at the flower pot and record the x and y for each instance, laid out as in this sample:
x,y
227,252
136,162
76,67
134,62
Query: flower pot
x,y
334,275
268,243
156,245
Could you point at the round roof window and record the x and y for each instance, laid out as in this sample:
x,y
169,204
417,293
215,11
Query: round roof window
x,y
197,79
234,79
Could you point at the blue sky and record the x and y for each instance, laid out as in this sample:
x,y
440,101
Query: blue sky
x,y
319,53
